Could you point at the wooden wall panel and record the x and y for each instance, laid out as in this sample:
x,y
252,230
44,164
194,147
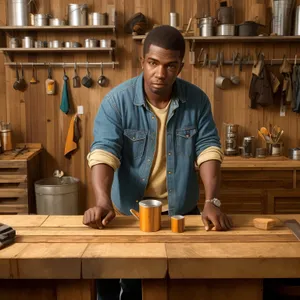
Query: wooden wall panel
x,y
36,117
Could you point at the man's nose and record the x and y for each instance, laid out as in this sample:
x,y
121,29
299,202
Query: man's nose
x,y
161,72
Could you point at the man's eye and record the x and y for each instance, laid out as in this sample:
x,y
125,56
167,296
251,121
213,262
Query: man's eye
x,y
152,63
172,67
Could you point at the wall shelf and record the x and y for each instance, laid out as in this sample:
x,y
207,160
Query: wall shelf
x,y
235,39
40,50
58,28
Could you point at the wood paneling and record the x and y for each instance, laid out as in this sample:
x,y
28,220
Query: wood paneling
x,y
36,117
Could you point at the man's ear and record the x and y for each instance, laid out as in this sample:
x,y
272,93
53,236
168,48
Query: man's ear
x,y
180,69
142,60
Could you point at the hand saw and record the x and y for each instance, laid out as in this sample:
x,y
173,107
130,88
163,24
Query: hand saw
x,y
294,226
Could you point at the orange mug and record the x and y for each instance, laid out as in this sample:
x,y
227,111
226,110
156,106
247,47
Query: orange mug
x,y
149,215
177,224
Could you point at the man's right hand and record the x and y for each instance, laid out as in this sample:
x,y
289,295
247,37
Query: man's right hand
x,y
98,216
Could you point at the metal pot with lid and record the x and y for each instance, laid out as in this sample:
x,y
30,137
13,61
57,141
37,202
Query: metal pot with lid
x,y
248,28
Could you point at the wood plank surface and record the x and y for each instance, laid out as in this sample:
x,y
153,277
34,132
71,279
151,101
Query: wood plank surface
x,y
124,261
155,289
50,261
23,221
216,289
234,260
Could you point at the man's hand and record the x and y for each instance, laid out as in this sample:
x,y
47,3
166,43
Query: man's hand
x,y
98,216
212,216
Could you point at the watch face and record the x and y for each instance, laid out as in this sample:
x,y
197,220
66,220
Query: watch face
x,y
217,202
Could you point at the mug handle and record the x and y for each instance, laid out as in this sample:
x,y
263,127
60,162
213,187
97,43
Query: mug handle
x,y
135,214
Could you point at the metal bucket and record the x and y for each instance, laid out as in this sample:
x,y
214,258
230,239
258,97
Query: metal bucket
x,y
77,14
57,196
97,19
207,26
17,12
281,20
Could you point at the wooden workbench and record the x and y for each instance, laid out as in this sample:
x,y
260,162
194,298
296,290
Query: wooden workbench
x,y
65,256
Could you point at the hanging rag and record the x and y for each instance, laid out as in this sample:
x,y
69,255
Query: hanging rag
x,y
76,130
287,93
64,105
71,145
296,87
261,91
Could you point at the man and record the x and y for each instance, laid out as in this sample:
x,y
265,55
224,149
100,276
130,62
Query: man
x,y
149,132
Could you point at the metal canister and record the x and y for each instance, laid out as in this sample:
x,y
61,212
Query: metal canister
x,y
226,30
173,19
281,20
6,136
75,45
57,22
105,43
41,20
77,14
31,19
206,26
17,12
40,44
91,43
68,44
27,42
297,21
54,44
14,43
294,153
97,19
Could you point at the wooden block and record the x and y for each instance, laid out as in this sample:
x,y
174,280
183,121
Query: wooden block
x,y
51,261
126,260
234,260
264,223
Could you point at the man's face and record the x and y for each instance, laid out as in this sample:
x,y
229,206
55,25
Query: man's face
x,y
161,68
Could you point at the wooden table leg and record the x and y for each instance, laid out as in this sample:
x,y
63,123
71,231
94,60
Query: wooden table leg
x,y
154,289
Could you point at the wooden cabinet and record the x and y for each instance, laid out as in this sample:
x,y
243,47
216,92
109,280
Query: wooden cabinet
x,y
17,176
259,186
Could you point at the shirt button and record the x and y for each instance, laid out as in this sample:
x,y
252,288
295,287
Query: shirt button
x,y
148,160
152,117
170,191
133,138
169,153
136,201
169,172
187,135
143,179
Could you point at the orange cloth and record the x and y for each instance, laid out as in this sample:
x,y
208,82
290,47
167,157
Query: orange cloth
x,y
70,144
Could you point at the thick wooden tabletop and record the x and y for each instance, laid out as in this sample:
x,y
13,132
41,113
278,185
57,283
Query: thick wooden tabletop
x,y
62,247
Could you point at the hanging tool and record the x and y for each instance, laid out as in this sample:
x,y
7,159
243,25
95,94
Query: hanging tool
x,y
199,55
33,79
192,53
50,83
76,78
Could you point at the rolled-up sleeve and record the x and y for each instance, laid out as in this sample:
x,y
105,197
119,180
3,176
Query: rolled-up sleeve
x,y
103,157
108,130
210,153
207,135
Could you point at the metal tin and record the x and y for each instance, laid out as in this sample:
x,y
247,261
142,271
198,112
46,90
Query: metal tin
x,y
54,44
294,153
173,19
77,14
207,26
226,30
91,43
261,152
68,44
41,20
27,42
40,44
105,43
17,12
57,22
14,43
31,20
75,45
97,19
281,16
297,21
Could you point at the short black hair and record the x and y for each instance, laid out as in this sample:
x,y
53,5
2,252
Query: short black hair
x,y
166,37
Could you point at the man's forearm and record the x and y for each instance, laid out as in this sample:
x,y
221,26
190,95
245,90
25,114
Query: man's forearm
x,y
210,172
102,178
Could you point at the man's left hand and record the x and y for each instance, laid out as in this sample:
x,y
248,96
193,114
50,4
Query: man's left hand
x,y
213,216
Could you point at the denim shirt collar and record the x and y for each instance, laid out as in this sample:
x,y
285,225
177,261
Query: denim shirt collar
x,y
139,98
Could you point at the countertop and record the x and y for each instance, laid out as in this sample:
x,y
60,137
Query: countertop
x,y
62,247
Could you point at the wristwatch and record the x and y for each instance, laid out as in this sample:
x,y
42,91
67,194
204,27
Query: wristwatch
x,y
215,201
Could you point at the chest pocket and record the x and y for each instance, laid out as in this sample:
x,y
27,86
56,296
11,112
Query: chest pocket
x,y
185,141
134,143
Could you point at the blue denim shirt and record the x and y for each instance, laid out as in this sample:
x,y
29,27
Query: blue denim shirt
x,y
127,128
